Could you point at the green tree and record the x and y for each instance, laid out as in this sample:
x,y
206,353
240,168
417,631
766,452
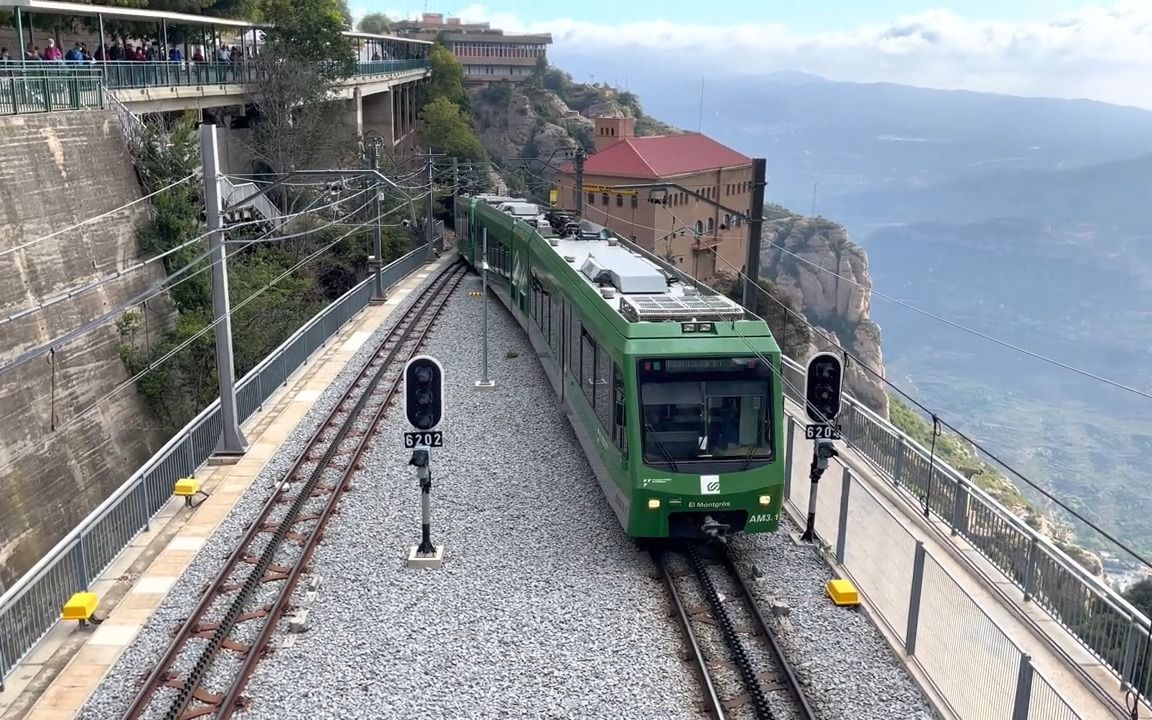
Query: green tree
x,y
163,154
300,120
374,24
447,77
448,130
310,30
1140,595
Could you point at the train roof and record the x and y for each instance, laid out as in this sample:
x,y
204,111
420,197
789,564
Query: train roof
x,y
638,288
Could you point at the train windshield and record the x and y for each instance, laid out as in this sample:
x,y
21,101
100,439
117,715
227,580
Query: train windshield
x,y
708,410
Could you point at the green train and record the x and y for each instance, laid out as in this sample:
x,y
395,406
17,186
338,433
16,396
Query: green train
x,y
665,382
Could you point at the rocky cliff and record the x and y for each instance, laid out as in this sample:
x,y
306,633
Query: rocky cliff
x,y
816,267
536,118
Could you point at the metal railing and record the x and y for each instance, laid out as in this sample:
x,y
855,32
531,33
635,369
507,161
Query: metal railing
x,y
30,608
231,192
1102,621
137,75
130,122
976,669
46,92
390,67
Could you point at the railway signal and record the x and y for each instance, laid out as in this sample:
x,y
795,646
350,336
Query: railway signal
x,y
823,388
823,394
423,392
424,407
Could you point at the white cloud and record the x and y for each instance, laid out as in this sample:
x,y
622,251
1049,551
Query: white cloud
x,y
1099,53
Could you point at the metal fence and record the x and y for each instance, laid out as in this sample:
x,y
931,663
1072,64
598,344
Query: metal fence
x,y
45,92
1098,617
977,670
32,606
134,75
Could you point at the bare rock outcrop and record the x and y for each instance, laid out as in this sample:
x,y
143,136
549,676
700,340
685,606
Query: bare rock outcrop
x,y
826,274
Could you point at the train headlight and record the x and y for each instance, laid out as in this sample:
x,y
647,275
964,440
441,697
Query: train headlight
x,y
653,504
765,500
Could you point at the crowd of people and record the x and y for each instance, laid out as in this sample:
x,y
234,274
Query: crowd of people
x,y
124,50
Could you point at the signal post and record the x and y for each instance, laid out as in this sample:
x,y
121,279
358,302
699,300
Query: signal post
x,y
424,408
823,392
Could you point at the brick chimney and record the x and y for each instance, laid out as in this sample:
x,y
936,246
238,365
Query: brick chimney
x,y
611,130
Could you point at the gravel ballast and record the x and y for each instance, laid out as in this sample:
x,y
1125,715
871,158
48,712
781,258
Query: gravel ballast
x,y
543,608
847,668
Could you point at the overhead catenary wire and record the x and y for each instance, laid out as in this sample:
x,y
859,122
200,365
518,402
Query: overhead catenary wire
x,y
121,273
937,421
153,291
153,365
973,331
985,336
94,218
863,456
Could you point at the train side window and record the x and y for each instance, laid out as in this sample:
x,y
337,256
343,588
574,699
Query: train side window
x,y
535,298
546,316
574,344
619,418
603,390
588,366
554,315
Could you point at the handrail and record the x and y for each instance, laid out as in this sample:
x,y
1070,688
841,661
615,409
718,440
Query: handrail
x,y
1092,587
993,504
229,191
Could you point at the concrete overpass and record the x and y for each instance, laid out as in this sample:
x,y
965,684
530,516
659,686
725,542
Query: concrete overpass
x,y
380,93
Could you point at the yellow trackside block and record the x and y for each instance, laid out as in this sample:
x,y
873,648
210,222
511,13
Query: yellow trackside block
x,y
187,487
843,592
80,607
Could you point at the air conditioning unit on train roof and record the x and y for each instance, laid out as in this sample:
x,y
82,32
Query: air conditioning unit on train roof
x,y
626,272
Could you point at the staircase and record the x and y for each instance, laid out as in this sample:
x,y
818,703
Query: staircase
x,y
231,194
258,208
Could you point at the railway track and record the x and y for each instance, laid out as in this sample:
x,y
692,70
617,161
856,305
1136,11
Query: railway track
x,y
742,670
212,655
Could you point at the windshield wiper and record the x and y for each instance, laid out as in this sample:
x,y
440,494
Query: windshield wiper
x,y
660,446
748,458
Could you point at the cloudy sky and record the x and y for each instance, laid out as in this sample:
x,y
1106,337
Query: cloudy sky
x,y
1099,49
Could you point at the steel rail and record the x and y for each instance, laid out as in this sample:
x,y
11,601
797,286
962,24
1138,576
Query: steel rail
x,y
742,658
199,624
715,706
798,697
232,699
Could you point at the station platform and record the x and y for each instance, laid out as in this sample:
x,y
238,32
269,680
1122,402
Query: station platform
x,y
954,628
57,677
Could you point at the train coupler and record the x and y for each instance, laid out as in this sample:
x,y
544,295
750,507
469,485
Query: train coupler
x,y
715,530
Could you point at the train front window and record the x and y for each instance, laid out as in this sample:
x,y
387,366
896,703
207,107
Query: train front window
x,y
707,410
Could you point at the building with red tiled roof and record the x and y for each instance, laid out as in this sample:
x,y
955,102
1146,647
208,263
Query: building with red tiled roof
x,y
685,230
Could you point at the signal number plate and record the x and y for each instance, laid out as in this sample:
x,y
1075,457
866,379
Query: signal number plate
x,y
822,432
434,438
